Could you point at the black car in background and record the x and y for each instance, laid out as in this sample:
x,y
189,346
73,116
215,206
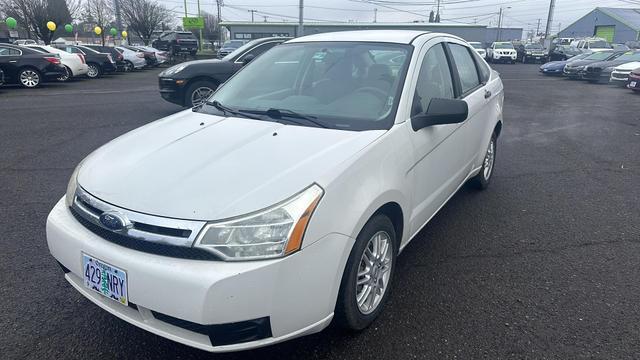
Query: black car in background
x,y
562,52
115,54
600,72
531,53
177,42
576,69
191,83
28,67
99,63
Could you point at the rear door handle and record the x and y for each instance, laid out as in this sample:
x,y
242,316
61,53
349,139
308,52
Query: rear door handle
x,y
13,61
487,94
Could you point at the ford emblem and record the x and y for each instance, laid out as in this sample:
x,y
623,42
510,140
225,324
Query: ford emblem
x,y
114,220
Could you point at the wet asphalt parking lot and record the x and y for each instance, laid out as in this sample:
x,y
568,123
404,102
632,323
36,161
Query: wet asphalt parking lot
x,y
544,264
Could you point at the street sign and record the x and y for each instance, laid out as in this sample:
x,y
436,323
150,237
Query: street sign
x,y
193,23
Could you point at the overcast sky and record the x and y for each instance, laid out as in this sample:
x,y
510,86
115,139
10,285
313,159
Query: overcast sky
x,y
517,13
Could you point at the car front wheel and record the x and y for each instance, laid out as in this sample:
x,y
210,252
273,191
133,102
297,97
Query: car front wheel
x,y
367,277
481,181
199,92
29,78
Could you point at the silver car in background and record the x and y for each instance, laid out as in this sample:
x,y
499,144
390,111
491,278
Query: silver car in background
x,y
133,59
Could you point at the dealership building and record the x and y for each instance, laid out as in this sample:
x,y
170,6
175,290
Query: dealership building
x,y
472,32
614,24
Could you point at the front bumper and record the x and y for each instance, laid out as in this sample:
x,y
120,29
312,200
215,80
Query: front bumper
x,y
551,71
535,57
596,76
174,296
502,57
573,73
619,78
172,91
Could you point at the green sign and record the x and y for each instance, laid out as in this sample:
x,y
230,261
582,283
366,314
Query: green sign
x,y
193,23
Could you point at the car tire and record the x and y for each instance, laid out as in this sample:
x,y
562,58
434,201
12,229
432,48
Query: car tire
x,y
355,308
524,59
482,180
29,77
66,76
128,66
95,71
198,91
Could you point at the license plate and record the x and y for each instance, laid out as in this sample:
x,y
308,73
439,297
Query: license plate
x,y
105,279
632,84
537,57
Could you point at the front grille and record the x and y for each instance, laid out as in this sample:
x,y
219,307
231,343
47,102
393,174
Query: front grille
x,y
145,246
224,334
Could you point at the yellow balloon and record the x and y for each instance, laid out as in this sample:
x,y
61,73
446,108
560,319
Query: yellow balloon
x,y
124,34
97,30
51,26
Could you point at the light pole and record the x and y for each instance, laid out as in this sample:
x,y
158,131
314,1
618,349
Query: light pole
x,y
500,22
300,19
552,6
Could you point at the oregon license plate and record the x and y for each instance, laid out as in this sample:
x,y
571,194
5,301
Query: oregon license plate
x,y
632,84
105,279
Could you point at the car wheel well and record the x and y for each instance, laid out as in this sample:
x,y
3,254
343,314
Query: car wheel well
x,y
203,78
394,212
498,129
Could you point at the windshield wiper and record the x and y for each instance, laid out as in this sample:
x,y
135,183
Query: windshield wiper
x,y
289,114
225,109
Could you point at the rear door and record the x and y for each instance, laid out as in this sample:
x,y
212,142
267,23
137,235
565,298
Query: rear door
x,y
9,62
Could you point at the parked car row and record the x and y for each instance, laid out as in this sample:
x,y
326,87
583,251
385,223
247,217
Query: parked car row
x,y
31,64
614,67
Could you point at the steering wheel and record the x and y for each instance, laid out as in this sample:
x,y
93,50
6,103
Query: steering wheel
x,y
374,91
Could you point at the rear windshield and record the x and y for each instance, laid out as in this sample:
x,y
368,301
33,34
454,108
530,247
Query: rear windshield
x,y
533,47
599,45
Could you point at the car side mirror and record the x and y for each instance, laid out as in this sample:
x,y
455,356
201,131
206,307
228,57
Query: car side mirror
x,y
247,59
441,112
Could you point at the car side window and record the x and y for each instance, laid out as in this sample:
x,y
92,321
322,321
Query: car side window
x,y
466,67
434,80
483,68
9,52
258,50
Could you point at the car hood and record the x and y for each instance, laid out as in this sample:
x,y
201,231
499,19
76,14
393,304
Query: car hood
x,y
205,167
554,64
581,63
629,66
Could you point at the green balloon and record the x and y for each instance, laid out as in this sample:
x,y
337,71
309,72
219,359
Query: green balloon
x,y
68,28
11,23
113,31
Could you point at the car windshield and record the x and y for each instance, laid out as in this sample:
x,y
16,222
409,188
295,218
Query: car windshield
x,y
602,55
504,46
233,44
533,47
185,36
339,85
599,45
88,49
476,45
630,56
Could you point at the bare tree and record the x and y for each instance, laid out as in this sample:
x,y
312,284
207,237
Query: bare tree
x,y
33,15
142,17
100,13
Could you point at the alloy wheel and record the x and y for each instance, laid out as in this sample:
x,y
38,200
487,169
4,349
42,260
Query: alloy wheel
x,y
200,95
29,78
489,159
374,272
128,66
93,71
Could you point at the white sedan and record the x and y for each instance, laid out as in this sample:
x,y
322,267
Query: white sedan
x,y
74,63
133,59
282,203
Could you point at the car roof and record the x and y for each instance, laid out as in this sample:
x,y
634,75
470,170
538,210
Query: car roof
x,y
387,36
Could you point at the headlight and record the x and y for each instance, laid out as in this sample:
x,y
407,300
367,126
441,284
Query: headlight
x,y
72,185
274,232
173,70
529,52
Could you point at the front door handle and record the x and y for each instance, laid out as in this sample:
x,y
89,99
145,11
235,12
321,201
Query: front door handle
x,y
487,94
13,61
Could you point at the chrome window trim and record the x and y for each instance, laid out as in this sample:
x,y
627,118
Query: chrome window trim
x,y
135,217
11,48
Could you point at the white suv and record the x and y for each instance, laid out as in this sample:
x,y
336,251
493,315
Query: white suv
x,y
271,210
502,52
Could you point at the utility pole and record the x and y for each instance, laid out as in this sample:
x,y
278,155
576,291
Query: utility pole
x,y
538,28
219,5
552,6
199,15
252,12
499,24
438,12
300,19
375,15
